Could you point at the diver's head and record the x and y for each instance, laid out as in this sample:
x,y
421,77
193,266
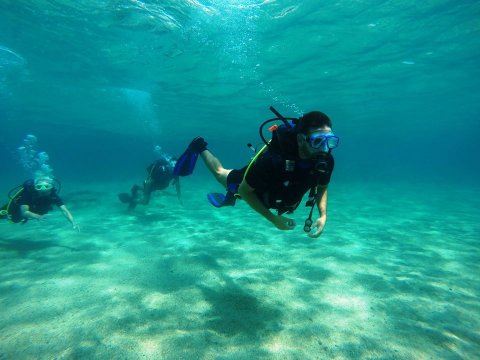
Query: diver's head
x,y
315,137
312,120
43,186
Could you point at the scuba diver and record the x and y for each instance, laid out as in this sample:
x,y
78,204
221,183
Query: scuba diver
x,y
160,176
297,159
33,200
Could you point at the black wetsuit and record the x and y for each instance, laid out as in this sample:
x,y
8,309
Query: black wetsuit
x,y
40,205
161,173
279,184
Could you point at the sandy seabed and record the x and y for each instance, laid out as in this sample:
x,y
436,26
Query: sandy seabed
x,y
394,276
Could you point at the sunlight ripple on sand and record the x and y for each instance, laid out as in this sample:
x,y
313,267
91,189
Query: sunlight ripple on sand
x,y
353,303
149,347
350,302
157,300
278,346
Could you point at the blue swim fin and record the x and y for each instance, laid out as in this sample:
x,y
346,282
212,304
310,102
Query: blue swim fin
x,y
127,199
186,162
220,200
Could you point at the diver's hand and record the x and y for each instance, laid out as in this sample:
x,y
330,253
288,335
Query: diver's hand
x,y
76,227
42,217
317,227
29,215
283,223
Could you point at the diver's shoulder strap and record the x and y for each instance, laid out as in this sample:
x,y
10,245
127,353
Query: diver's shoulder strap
x,y
7,210
253,160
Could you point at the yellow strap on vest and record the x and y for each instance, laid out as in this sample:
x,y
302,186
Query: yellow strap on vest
x,y
253,160
11,200
249,165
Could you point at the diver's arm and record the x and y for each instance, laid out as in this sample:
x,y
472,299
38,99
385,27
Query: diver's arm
x,y
319,224
69,217
247,193
27,214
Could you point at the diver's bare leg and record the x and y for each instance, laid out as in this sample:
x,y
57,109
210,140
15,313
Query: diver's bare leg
x,y
215,167
147,191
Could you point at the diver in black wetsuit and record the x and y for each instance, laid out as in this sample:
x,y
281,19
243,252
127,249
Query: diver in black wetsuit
x,y
160,176
296,160
33,200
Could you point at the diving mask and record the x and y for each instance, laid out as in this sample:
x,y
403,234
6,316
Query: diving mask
x,y
43,186
323,141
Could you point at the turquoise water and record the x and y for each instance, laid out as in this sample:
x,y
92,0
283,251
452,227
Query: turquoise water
x,y
100,83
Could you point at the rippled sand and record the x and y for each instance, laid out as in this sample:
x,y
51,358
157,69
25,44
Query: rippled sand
x,y
394,276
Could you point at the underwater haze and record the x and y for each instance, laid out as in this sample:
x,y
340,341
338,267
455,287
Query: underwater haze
x,y
101,83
